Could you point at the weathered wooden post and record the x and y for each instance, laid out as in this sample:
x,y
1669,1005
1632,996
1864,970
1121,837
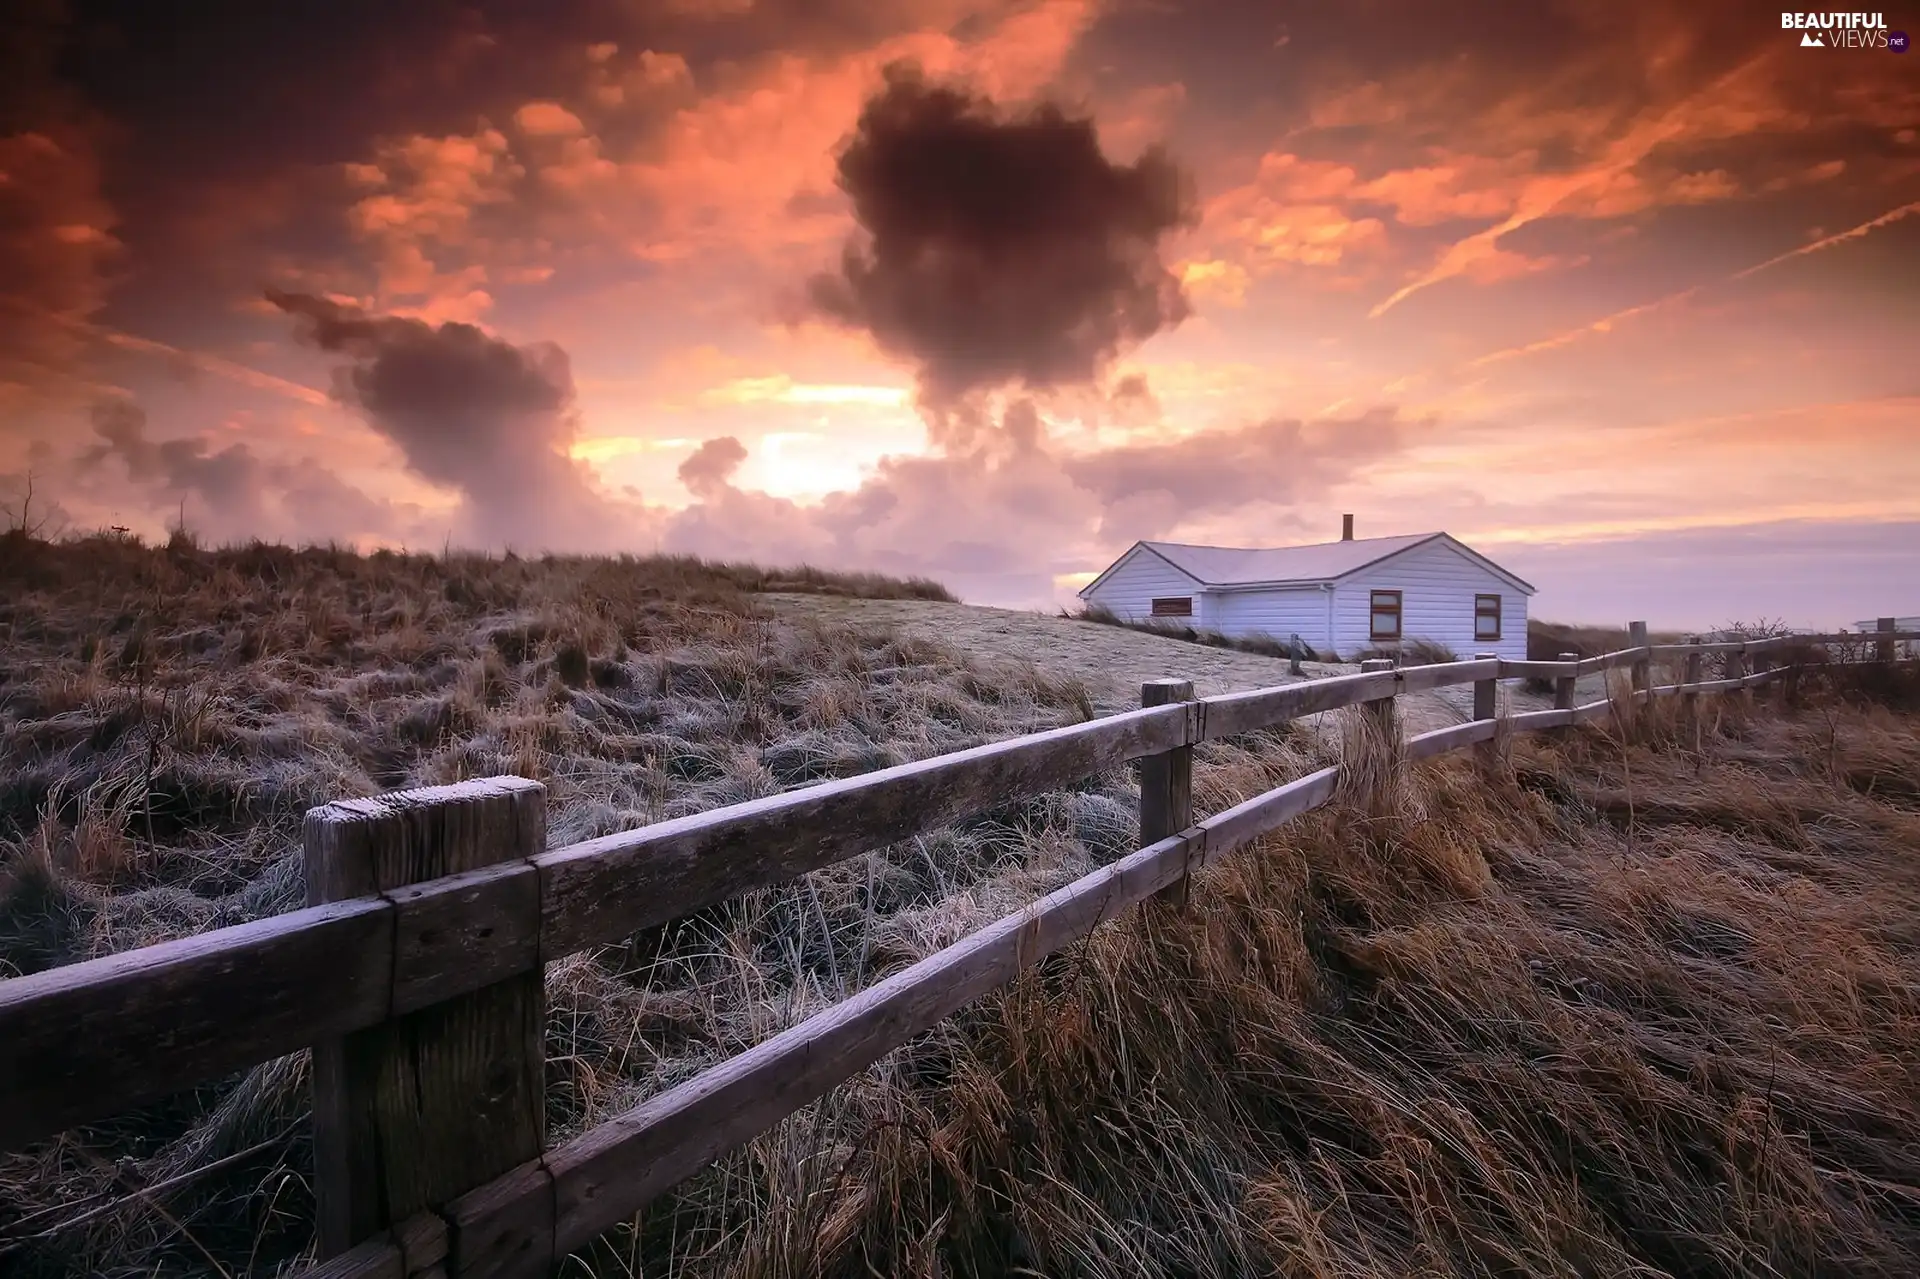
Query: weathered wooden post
x,y
1293,655
1886,626
1691,677
447,1093
1642,667
1485,707
1380,710
1373,776
1563,689
1737,669
1166,783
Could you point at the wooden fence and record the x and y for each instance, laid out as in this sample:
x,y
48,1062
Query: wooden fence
x,y
415,973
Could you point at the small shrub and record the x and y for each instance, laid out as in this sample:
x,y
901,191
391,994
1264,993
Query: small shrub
x,y
1547,640
1258,643
1426,652
1413,652
571,665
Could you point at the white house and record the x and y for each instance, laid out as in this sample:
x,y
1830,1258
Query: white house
x,y
1340,597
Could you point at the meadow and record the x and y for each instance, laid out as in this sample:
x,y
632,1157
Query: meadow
x,y
1630,1001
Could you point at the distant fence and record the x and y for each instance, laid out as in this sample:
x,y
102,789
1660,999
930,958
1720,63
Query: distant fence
x,y
415,974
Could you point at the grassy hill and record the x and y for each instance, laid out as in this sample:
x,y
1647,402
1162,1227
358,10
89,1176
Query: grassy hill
x,y
1624,1005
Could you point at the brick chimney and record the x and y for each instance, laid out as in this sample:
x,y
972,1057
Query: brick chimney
x,y
1346,528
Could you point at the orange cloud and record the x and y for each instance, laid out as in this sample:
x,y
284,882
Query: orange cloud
x,y
1740,102
781,389
548,120
1216,280
1505,264
1289,213
1464,187
430,191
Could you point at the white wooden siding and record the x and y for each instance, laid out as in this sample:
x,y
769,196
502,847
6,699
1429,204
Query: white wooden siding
x,y
1437,585
1276,612
1130,590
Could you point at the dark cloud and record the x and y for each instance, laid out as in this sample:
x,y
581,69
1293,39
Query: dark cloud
x,y
969,426
1022,428
1000,250
1132,387
29,80
228,481
231,492
712,465
56,228
474,413
723,29
1132,401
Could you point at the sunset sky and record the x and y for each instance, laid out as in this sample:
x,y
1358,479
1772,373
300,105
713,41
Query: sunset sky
x,y
1626,296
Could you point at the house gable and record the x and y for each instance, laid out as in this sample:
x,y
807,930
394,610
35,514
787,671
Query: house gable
x,y
1128,557
1452,543
1436,590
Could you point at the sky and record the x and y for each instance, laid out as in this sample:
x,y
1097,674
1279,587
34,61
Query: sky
x,y
1624,295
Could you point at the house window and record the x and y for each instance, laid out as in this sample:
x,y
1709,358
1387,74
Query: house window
x,y
1486,617
1385,609
1178,606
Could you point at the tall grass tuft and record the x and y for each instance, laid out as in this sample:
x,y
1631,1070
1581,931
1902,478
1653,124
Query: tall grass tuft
x,y
1259,643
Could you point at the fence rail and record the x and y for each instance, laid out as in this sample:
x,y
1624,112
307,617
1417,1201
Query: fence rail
x,y
449,910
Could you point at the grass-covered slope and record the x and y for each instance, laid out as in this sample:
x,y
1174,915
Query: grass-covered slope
x,y
1612,1007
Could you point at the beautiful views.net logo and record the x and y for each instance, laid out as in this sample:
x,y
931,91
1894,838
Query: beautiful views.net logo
x,y
1844,31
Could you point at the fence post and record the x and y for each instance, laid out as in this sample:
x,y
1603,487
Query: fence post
x,y
1695,658
1381,708
1563,689
1737,669
1486,706
1642,668
1166,783
431,1103
1886,625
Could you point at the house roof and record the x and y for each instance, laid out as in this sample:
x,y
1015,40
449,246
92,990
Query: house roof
x,y
1244,566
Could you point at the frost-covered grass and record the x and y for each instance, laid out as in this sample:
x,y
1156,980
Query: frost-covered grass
x,y
1620,1004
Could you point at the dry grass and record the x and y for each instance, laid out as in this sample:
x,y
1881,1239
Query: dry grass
x,y
1620,1007
1172,628
1627,1003
1413,652
1547,640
